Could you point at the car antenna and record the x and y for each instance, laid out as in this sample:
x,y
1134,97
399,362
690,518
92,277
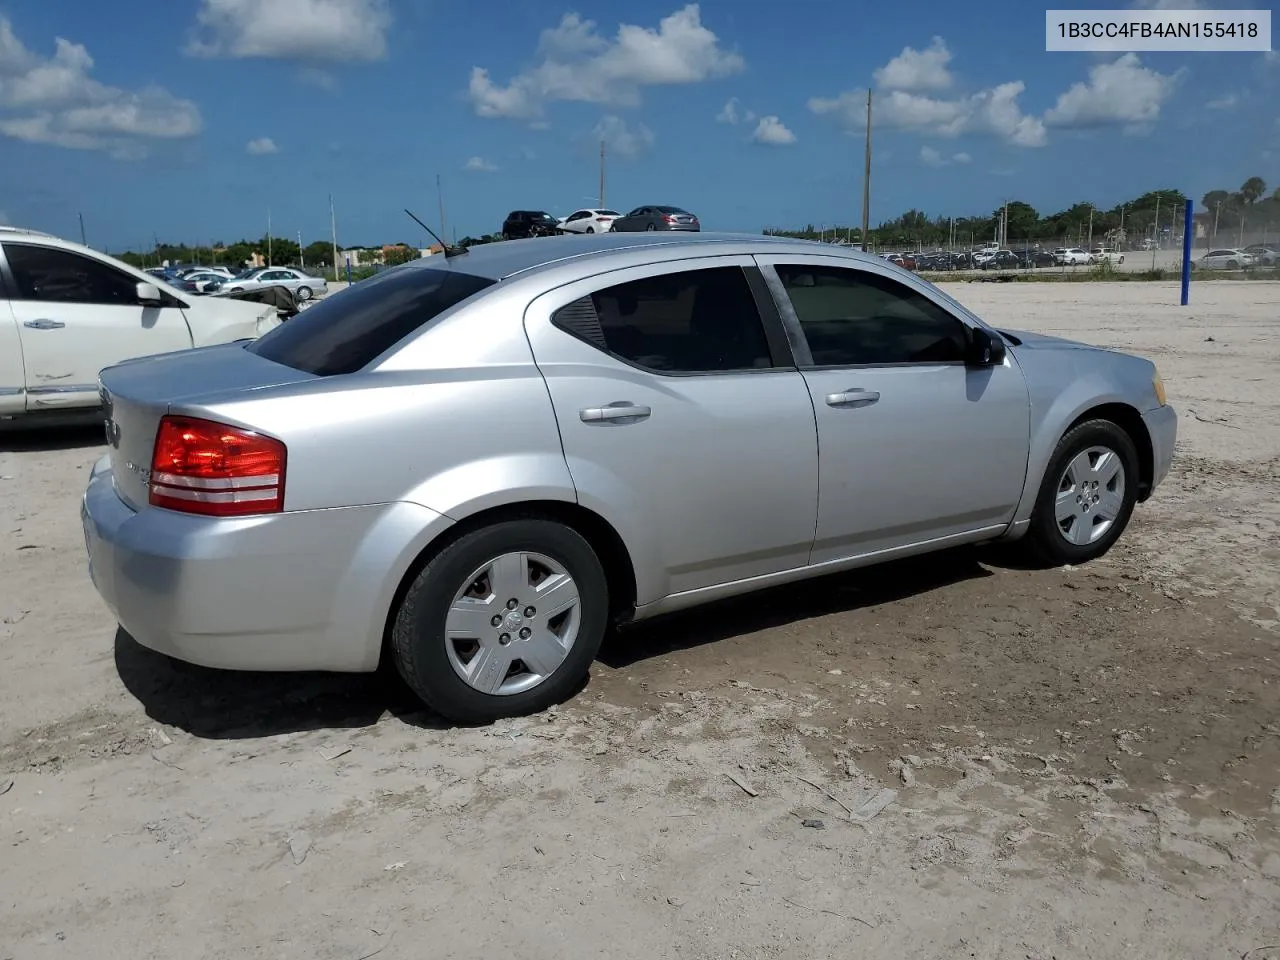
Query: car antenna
x,y
445,248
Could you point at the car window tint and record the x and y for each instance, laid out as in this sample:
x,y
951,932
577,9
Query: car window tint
x,y
344,332
49,274
852,317
696,321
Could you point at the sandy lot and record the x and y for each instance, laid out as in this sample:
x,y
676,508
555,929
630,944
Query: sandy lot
x,y
954,757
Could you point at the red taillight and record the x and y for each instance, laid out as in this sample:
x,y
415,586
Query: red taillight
x,y
670,219
602,219
216,470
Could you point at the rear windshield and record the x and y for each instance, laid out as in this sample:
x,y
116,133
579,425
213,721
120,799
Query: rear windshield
x,y
344,332
673,210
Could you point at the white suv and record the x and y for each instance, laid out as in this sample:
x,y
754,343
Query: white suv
x,y
1107,255
1071,255
67,311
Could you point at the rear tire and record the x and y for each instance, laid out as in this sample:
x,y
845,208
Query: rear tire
x,y
651,227
460,578
1233,265
304,293
1087,494
591,229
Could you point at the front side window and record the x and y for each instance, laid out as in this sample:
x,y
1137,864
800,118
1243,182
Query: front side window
x,y
855,317
60,276
695,321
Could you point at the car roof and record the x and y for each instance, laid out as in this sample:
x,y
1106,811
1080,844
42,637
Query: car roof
x,y
508,258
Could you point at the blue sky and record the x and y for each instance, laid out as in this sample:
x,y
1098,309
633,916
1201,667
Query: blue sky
x,y
191,120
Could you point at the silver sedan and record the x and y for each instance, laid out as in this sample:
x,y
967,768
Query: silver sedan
x,y
476,465
301,285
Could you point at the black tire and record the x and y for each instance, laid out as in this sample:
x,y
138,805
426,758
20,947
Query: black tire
x,y
1044,538
418,644
304,293
591,229
650,227
1233,265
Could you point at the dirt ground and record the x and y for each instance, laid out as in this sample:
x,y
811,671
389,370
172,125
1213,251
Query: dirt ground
x,y
952,757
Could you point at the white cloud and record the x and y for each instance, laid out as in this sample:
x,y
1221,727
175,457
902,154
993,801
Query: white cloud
x,y
622,140
994,112
732,114
55,101
309,30
578,64
916,70
1120,92
933,158
261,147
772,132
480,165
1224,102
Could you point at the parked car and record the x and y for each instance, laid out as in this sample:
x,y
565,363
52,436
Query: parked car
x,y
67,311
1225,259
1108,255
656,218
323,478
1071,256
529,223
1263,255
301,285
592,220
1001,260
1037,258
201,281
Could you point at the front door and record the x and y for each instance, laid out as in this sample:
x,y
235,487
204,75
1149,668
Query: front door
x,y
682,424
914,446
76,315
13,381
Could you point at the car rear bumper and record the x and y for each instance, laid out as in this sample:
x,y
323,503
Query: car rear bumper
x,y
1162,426
304,590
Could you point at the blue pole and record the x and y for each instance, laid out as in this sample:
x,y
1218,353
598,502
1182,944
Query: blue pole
x,y
1187,232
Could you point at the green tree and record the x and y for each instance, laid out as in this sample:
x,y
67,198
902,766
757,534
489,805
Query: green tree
x,y
400,253
1252,189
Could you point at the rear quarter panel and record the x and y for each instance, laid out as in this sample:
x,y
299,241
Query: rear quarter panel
x,y
457,419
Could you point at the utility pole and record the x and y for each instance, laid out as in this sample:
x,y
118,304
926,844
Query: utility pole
x,y
601,197
866,180
301,260
1155,234
1090,226
1217,211
440,198
268,236
333,229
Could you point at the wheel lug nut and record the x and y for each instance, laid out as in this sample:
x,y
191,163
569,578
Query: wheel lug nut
x,y
529,611
512,604
496,621
525,633
504,639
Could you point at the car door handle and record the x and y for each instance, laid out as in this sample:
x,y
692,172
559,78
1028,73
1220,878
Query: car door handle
x,y
853,398
44,324
620,411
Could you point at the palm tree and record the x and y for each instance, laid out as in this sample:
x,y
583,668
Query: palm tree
x,y
1252,189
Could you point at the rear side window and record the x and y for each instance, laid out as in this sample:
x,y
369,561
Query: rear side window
x,y
343,333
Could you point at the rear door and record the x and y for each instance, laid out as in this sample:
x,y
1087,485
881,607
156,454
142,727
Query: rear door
x,y
684,423
76,314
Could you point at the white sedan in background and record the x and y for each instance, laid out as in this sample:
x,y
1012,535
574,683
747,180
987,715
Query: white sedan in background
x,y
589,220
1226,259
302,286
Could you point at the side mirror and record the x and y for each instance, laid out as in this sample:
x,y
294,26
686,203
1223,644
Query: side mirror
x,y
985,350
149,293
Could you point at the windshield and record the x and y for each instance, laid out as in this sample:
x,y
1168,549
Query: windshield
x,y
609,213
672,210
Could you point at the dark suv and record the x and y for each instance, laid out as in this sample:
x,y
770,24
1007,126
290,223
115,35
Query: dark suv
x,y
529,223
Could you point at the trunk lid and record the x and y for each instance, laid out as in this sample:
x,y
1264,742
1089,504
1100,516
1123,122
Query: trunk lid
x,y
137,393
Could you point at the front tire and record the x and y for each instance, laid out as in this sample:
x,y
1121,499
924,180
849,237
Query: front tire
x,y
474,657
1087,495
